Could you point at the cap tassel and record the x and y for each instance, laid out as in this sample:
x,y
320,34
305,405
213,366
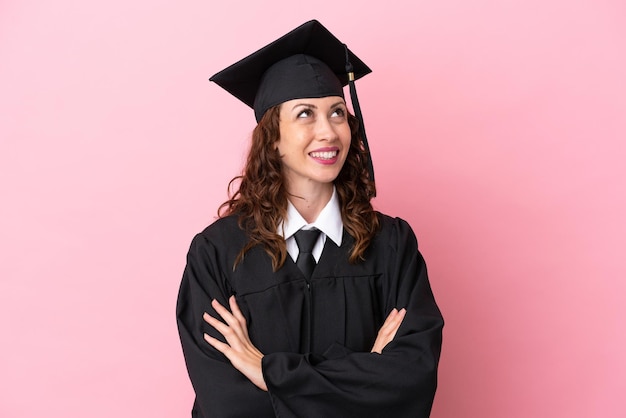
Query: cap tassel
x,y
359,115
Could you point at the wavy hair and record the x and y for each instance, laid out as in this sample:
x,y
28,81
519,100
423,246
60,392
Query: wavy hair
x,y
259,197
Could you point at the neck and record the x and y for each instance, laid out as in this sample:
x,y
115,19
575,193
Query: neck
x,y
311,202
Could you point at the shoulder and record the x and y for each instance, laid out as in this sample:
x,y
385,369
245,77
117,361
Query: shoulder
x,y
393,225
223,226
223,232
395,231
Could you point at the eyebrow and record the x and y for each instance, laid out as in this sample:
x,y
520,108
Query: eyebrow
x,y
312,106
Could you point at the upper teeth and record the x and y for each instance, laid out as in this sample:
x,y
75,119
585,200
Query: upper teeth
x,y
324,154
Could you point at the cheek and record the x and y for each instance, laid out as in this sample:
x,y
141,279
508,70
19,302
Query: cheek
x,y
283,148
346,136
279,149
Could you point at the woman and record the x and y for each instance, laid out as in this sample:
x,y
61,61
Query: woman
x,y
344,325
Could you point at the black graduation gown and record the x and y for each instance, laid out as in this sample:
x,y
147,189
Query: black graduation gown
x,y
316,336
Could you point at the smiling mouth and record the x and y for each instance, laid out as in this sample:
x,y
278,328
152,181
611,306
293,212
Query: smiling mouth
x,y
324,155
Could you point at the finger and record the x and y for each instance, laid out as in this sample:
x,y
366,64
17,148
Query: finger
x,y
388,331
234,308
242,330
216,323
390,317
394,326
221,310
233,338
397,319
235,319
217,344
389,321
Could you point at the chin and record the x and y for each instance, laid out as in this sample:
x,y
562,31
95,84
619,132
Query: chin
x,y
329,178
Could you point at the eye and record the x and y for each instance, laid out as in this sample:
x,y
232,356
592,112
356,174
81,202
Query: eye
x,y
305,113
339,112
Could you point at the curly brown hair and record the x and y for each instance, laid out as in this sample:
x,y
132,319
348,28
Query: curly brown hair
x,y
260,202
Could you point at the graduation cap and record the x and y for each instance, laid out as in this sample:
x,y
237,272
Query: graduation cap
x,y
308,62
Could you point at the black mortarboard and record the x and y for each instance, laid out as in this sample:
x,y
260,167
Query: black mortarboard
x,y
308,62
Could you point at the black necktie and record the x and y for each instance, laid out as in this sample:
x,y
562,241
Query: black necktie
x,y
306,238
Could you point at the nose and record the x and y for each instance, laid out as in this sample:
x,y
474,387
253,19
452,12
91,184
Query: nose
x,y
325,129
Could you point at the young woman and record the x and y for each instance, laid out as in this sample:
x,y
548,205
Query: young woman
x,y
344,325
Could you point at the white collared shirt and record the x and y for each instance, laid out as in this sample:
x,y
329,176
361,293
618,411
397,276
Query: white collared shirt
x,y
328,222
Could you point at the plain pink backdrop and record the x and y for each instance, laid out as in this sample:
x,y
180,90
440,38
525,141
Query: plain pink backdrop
x,y
497,130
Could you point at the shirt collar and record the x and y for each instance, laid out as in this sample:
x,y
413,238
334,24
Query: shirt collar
x,y
328,221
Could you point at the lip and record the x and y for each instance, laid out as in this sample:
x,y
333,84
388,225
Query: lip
x,y
323,155
325,149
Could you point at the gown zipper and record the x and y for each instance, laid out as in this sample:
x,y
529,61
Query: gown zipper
x,y
308,322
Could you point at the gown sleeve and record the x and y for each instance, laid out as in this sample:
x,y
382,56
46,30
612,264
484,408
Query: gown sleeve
x,y
399,382
219,387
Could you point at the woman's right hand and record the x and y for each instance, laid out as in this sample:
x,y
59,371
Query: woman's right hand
x,y
388,330
238,348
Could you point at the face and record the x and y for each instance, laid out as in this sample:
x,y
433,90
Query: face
x,y
314,141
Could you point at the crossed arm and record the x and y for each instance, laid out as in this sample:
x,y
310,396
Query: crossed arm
x,y
246,358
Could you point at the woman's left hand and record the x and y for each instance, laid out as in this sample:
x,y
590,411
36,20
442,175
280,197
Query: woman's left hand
x,y
238,348
388,331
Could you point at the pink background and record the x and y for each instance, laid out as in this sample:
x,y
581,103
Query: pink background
x,y
497,130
